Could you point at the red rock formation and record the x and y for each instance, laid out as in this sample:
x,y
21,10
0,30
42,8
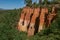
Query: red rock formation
x,y
44,11
31,29
51,16
41,21
26,19
20,24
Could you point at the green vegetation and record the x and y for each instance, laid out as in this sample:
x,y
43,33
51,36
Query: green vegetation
x,y
8,27
8,30
28,2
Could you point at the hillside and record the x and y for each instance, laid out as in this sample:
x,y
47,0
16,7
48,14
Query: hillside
x,y
8,31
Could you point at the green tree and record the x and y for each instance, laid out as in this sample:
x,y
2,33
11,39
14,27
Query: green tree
x,y
43,2
28,2
40,1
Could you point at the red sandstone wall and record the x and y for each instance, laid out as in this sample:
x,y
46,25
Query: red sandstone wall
x,y
51,16
44,11
31,29
20,23
28,20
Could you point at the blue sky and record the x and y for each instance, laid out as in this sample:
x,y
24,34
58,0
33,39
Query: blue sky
x,y
11,4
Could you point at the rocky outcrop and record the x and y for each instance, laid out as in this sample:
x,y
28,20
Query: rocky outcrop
x,y
22,17
31,29
51,16
27,22
44,11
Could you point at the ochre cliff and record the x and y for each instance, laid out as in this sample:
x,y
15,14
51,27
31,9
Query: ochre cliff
x,y
28,19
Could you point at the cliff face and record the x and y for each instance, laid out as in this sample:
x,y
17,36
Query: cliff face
x,y
29,17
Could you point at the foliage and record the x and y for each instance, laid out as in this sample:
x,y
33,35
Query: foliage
x,y
8,24
28,2
8,30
